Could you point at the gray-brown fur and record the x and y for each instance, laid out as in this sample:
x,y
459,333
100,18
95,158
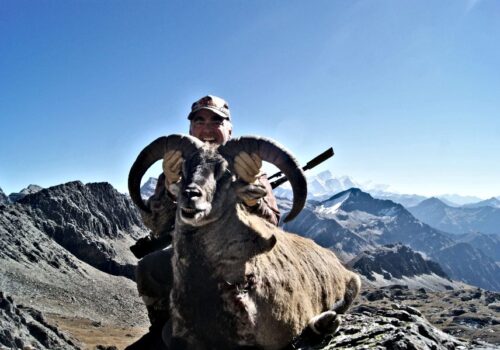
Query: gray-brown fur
x,y
238,280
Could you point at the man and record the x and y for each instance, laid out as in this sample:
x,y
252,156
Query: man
x,y
210,121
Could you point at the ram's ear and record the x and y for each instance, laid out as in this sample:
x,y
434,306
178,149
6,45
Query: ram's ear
x,y
261,232
270,242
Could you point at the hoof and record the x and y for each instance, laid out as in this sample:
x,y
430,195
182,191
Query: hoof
x,y
325,323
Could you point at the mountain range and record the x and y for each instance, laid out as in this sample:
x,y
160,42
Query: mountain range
x,y
353,221
54,240
324,185
64,251
472,218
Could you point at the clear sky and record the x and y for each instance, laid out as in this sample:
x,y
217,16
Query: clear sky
x,y
406,92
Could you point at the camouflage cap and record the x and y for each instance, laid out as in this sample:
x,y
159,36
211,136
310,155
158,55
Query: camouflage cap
x,y
212,103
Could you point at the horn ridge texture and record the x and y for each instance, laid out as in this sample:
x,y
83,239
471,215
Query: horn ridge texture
x,y
151,154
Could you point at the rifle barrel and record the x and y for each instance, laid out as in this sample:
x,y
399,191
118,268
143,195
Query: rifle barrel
x,y
319,159
310,164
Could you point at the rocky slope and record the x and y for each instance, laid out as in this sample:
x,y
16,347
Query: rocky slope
x,y
385,318
467,313
462,260
398,264
488,244
26,328
64,250
94,222
37,271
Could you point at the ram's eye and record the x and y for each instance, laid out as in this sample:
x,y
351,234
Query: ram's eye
x,y
219,170
227,174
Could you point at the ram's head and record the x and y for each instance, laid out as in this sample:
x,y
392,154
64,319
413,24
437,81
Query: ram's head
x,y
208,185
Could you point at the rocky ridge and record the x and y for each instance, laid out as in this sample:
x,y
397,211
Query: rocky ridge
x,y
64,251
398,264
94,222
488,244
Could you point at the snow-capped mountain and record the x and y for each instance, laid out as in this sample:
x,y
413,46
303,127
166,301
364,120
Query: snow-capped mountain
x,y
324,185
380,221
485,219
148,189
328,233
320,186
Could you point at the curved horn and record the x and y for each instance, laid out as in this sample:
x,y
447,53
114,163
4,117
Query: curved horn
x,y
154,152
272,152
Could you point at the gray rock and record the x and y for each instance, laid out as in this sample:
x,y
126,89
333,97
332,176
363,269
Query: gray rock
x,y
396,261
494,307
22,327
88,220
394,327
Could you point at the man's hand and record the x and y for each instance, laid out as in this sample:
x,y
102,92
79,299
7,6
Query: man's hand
x,y
247,167
172,163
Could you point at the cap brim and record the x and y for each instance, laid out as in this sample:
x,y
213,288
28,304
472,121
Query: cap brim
x,y
215,110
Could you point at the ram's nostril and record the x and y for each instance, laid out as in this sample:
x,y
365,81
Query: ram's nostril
x,y
191,193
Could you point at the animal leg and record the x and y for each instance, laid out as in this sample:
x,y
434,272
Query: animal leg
x,y
325,323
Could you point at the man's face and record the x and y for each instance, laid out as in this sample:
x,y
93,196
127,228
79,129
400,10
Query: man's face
x,y
210,127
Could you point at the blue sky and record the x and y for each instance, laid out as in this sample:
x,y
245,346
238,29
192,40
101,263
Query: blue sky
x,y
406,92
